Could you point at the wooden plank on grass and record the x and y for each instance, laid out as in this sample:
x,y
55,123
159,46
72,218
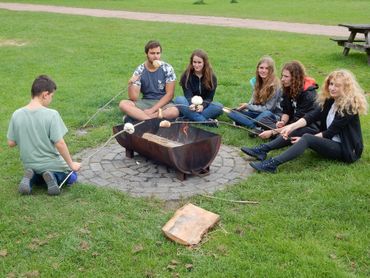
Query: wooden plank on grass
x,y
189,224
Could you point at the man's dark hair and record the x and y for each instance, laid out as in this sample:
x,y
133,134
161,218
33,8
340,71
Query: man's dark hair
x,y
43,83
152,44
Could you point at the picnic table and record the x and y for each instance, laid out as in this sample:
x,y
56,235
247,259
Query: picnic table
x,y
360,44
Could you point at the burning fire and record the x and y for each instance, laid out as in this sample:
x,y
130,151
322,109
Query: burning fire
x,y
185,129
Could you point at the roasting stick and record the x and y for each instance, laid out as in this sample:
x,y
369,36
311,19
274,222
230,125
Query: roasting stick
x,y
128,127
101,108
232,201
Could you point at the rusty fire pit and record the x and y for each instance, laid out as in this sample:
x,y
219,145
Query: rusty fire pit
x,y
187,149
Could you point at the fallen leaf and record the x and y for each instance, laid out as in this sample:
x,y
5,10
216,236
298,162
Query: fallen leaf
x,y
353,264
84,231
239,231
33,246
137,248
189,267
55,265
3,253
174,262
84,245
52,235
171,267
149,274
95,254
31,274
222,249
332,256
11,275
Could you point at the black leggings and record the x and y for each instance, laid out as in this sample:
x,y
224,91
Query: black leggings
x,y
325,147
280,142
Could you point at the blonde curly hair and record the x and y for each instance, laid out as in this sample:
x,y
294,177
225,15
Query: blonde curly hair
x,y
352,101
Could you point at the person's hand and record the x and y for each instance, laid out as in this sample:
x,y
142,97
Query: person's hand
x,y
266,134
286,130
242,106
280,124
295,139
150,112
192,107
76,166
199,108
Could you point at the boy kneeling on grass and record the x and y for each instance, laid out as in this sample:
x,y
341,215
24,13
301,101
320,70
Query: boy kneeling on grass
x,y
39,131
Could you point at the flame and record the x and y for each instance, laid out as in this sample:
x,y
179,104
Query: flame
x,y
185,129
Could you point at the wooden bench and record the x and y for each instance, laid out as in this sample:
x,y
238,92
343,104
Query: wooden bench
x,y
343,40
351,42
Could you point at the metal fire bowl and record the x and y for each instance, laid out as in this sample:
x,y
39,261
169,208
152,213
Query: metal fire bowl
x,y
195,156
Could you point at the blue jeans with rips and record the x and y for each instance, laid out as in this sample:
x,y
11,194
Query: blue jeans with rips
x,y
212,111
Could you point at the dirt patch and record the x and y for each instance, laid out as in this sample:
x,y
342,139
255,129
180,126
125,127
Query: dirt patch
x,y
12,43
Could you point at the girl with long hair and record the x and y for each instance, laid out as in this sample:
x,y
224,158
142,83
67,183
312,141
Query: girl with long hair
x,y
199,80
264,106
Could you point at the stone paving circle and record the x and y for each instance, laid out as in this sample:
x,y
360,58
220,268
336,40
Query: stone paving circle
x,y
141,177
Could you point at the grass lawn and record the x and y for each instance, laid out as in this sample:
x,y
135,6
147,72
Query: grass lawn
x,y
311,11
313,216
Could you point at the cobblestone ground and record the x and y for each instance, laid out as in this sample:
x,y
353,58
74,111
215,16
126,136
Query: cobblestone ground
x,y
140,177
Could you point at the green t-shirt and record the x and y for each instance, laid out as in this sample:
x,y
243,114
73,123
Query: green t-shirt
x,y
36,132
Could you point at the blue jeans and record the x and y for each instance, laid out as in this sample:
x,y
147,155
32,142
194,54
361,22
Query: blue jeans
x,y
241,117
37,179
212,111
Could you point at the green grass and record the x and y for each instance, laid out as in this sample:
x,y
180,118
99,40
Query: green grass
x,y
313,216
313,11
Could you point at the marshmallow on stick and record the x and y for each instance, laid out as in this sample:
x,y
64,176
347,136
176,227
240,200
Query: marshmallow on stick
x,y
165,123
196,100
129,128
157,63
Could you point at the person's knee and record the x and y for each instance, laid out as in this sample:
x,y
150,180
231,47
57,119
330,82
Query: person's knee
x,y
308,137
171,113
125,105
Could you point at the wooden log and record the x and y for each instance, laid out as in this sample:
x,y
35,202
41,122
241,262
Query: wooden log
x,y
189,224
161,140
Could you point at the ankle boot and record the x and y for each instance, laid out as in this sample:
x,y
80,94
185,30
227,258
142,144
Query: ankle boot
x,y
259,152
269,165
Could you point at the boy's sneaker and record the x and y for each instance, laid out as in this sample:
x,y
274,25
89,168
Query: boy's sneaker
x,y
51,182
269,165
256,152
25,184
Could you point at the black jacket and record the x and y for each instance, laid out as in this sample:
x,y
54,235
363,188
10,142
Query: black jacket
x,y
195,87
348,128
305,102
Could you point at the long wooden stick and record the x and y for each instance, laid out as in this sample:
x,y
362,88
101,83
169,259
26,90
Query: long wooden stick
x,y
232,201
101,108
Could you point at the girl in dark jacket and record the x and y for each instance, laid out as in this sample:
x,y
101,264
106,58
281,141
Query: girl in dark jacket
x,y
341,102
199,80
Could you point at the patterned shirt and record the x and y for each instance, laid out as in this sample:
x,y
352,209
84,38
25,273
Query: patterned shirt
x,y
153,84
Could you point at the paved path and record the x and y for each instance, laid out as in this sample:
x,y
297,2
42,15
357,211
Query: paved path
x,y
141,177
312,29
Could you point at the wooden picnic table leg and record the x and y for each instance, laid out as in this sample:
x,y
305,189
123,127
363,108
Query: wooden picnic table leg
x,y
367,42
350,39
